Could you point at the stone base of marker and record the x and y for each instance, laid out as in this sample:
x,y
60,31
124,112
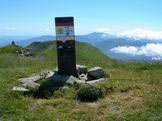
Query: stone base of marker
x,y
92,76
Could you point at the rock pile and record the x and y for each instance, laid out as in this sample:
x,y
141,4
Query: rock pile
x,y
92,76
96,73
24,52
32,82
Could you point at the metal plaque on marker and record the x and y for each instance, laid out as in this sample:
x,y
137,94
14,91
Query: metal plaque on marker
x,y
66,46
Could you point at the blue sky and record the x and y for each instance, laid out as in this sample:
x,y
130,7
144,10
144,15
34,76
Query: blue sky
x,y
36,17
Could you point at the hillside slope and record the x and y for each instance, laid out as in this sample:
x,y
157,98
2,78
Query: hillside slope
x,y
85,53
134,89
8,49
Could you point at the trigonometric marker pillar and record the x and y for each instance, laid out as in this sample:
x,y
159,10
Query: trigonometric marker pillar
x,y
65,37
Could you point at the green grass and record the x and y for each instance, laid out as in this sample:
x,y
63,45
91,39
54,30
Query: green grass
x,y
134,90
40,46
8,49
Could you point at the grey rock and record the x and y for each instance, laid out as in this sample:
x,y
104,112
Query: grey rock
x,y
30,85
44,73
31,79
95,82
27,54
21,50
17,52
78,82
67,79
20,89
96,72
49,74
73,80
24,52
81,69
21,54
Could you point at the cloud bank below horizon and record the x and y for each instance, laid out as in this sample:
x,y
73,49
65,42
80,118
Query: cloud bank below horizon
x,y
142,34
150,50
136,34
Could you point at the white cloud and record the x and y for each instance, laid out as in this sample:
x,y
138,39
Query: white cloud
x,y
141,34
135,33
125,49
9,29
103,30
150,50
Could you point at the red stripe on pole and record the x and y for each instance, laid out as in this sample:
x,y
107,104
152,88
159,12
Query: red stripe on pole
x,y
65,24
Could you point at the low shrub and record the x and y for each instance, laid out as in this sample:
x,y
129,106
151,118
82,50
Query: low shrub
x,y
47,88
88,93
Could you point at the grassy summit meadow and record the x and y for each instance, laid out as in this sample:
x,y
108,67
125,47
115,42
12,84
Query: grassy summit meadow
x,y
135,89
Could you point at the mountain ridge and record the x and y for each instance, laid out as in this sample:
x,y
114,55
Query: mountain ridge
x,y
103,41
91,38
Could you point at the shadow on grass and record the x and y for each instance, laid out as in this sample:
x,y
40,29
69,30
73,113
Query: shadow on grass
x,y
49,86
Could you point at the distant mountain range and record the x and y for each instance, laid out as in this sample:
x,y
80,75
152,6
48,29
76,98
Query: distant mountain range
x,y
105,42
92,38
5,40
27,42
95,38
